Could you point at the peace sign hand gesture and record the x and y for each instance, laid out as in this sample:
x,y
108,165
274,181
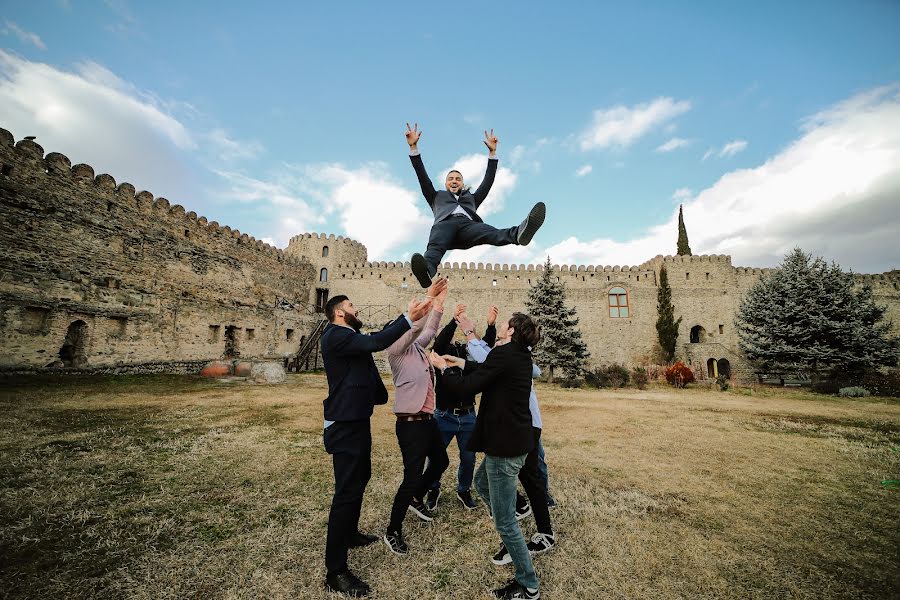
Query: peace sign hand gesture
x,y
491,141
413,135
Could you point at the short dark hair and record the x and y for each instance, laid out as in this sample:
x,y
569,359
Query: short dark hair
x,y
332,305
526,331
453,171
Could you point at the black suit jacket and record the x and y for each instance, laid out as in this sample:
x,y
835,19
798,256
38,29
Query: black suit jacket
x,y
354,383
503,426
443,203
444,344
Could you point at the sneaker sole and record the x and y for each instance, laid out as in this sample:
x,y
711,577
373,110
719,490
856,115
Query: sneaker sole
x,y
391,548
421,515
523,515
420,270
532,223
433,507
536,552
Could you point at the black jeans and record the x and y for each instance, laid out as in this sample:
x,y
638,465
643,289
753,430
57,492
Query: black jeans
x,y
350,445
533,483
460,233
418,440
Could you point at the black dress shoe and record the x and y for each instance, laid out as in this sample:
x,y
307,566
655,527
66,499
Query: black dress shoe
x,y
346,582
531,224
420,270
360,539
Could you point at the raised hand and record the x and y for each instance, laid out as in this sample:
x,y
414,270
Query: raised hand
x,y
465,323
490,140
442,295
437,287
413,135
419,308
492,315
460,309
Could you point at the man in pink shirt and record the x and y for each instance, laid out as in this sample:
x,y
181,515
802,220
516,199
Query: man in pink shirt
x,y
417,431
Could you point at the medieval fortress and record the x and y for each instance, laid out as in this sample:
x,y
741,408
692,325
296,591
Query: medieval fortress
x,y
97,277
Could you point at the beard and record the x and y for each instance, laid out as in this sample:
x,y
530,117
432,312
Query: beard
x,y
353,321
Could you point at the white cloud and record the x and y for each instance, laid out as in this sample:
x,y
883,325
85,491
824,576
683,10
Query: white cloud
x,y
25,37
832,192
622,125
370,206
681,194
583,170
708,153
673,144
732,148
228,149
473,166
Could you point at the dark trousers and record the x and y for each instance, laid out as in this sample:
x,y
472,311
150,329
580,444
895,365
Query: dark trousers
x,y
533,483
418,440
460,233
350,445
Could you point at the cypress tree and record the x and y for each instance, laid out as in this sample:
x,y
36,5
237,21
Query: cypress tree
x,y
683,248
561,345
666,325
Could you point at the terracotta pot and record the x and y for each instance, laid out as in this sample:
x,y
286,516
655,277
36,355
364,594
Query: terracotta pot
x,y
216,368
243,368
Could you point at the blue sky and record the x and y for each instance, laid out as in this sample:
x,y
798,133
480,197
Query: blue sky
x,y
774,123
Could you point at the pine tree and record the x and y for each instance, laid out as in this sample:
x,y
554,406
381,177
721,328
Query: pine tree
x,y
811,318
683,248
561,345
666,325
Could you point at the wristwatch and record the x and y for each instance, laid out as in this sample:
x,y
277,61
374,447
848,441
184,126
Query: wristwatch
x,y
468,331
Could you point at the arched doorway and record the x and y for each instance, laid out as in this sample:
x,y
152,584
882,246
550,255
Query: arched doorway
x,y
698,334
711,369
72,353
724,368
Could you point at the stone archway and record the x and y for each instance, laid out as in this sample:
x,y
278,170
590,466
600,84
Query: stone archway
x,y
724,368
698,334
72,353
711,368
231,342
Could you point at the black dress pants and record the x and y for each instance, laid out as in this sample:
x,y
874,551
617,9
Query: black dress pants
x,y
350,445
458,232
533,483
418,440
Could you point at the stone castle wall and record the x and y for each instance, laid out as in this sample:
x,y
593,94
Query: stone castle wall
x,y
143,282
152,287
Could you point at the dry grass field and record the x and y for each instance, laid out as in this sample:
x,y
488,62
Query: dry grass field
x,y
168,487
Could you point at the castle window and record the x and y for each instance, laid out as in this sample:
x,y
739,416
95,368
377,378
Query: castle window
x,y
618,302
324,251
494,283
6,170
721,330
251,333
687,275
289,335
213,334
323,275
707,275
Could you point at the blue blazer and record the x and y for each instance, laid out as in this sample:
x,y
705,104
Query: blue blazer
x,y
354,383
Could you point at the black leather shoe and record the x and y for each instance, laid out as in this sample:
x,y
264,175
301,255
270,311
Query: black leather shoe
x,y
531,224
420,269
346,582
360,539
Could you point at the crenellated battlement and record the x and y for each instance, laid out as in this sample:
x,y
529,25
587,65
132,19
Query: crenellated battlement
x,y
123,197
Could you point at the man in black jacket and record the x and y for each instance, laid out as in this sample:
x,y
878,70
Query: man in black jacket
x,y
354,388
503,431
457,225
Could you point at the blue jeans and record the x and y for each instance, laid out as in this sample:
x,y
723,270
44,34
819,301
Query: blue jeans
x,y
495,481
460,427
542,468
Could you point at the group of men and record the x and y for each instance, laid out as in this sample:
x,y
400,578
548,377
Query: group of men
x,y
435,400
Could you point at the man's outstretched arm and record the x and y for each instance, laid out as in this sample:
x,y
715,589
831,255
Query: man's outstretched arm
x,y
491,141
412,138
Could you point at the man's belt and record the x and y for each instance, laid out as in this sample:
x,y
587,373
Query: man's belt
x,y
416,417
464,410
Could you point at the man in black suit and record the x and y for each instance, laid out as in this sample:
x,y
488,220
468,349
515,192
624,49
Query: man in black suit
x,y
457,225
503,431
354,388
